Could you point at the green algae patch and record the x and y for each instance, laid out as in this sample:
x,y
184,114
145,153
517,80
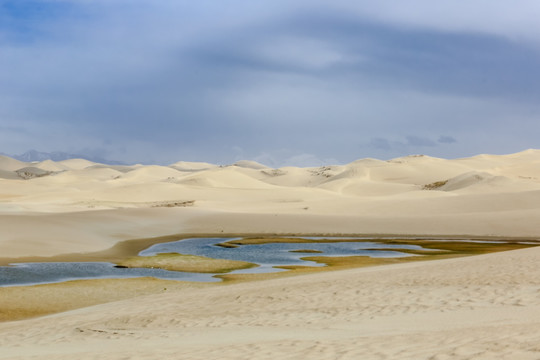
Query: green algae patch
x,y
187,263
431,250
443,248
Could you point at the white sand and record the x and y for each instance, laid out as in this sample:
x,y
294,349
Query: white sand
x,y
485,307
481,307
89,206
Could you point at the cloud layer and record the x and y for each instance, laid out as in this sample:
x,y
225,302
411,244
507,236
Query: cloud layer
x,y
283,81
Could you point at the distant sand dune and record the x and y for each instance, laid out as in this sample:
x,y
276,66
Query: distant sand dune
x,y
9,164
409,195
482,307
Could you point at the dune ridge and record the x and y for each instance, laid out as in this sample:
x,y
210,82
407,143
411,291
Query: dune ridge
x,y
420,194
480,307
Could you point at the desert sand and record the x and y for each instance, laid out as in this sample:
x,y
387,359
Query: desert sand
x,y
477,307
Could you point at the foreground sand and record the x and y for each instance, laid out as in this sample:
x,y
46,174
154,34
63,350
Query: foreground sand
x,y
482,307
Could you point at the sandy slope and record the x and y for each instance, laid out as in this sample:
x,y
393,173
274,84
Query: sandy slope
x,y
481,307
485,307
82,206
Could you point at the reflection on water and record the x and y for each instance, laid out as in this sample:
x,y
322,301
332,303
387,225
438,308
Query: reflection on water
x,y
265,255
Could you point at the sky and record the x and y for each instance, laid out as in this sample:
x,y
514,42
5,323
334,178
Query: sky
x,y
295,82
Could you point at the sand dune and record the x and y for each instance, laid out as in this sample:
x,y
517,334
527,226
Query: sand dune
x,y
9,164
250,165
49,165
151,173
231,177
453,196
480,307
192,166
77,164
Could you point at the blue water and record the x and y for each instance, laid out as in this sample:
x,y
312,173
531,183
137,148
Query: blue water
x,y
265,255
275,254
44,273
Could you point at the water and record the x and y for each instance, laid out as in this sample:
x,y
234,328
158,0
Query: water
x,y
276,254
265,255
54,272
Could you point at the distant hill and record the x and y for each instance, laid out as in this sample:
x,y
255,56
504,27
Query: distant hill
x,y
34,155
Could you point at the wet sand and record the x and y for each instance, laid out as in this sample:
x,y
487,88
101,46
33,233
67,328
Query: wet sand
x,y
484,306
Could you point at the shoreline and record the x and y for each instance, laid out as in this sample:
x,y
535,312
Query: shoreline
x,y
21,302
127,248
462,307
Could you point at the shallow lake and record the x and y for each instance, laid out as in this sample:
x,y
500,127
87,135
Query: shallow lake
x,y
265,255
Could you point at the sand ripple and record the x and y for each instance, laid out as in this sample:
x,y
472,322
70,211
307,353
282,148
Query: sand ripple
x,y
480,307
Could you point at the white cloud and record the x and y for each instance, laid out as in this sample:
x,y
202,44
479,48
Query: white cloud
x,y
300,52
517,20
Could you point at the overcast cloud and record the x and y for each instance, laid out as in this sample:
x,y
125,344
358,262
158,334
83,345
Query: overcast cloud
x,y
281,82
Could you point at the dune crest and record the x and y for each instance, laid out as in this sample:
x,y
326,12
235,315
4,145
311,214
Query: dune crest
x,y
484,306
408,195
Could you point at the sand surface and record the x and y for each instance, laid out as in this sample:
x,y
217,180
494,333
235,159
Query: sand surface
x,y
481,307
79,206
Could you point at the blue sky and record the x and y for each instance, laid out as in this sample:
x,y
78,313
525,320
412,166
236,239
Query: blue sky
x,y
293,82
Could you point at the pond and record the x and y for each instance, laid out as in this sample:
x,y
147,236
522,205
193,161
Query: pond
x,y
266,256
269,255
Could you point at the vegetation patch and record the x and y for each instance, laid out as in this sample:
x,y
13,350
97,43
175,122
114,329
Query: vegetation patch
x,y
174,203
187,263
274,172
435,185
31,172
